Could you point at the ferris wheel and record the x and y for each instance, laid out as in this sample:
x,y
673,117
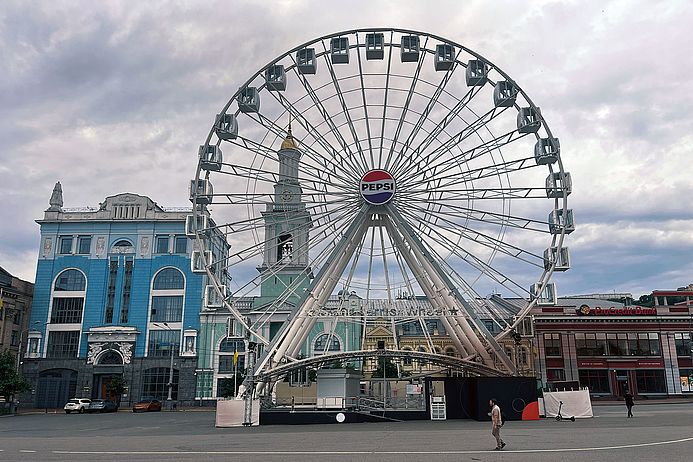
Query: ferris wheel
x,y
387,163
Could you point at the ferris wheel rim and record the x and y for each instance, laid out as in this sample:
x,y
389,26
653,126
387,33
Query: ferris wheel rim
x,y
556,238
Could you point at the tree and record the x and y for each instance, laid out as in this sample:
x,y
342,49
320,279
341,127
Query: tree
x,y
389,367
11,382
226,386
116,386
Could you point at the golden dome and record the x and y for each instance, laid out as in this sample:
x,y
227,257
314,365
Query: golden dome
x,y
289,142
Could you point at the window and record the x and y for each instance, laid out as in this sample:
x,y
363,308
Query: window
x,y
167,308
285,246
552,344
617,344
407,359
555,375
127,288
65,245
227,350
321,343
70,281
67,310
449,351
84,245
122,246
181,245
683,344
169,279
589,344
686,377
63,344
650,381
597,380
643,344
111,290
14,340
274,328
299,378
155,383
163,343
162,244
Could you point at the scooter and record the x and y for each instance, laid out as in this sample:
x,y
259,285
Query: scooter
x,y
559,416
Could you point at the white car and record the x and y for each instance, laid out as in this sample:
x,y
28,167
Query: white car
x,y
77,404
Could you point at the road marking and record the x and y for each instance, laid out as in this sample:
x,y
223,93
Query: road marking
x,y
26,450
355,453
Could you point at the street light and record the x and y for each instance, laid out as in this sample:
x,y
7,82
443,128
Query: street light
x,y
169,399
21,341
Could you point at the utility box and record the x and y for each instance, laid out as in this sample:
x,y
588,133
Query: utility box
x,y
438,409
337,388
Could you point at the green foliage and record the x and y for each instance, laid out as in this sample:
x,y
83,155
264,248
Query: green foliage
x,y
226,386
11,383
116,386
385,364
645,300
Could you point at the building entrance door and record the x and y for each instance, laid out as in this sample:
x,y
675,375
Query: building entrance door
x,y
101,386
622,382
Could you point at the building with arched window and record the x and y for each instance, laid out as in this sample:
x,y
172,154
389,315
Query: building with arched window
x,y
115,296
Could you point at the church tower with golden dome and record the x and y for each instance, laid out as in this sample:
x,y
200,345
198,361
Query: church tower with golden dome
x,y
285,267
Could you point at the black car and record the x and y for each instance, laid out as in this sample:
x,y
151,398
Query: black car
x,y
102,405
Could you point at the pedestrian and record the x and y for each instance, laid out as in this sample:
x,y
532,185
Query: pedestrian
x,y
629,403
497,423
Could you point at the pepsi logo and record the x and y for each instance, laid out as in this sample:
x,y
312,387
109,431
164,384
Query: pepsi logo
x,y
377,187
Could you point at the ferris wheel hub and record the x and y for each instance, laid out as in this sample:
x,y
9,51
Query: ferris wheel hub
x,y
377,187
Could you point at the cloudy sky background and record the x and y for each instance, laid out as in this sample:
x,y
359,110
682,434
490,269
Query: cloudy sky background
x,y
111,97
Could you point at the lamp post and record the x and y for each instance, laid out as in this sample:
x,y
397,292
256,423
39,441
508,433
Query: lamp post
x,y
169,399
21,341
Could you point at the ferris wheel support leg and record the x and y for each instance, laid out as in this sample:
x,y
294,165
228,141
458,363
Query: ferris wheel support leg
x,y
460,340
446,294
318,292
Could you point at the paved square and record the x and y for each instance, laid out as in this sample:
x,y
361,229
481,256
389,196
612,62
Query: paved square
x,y
658,432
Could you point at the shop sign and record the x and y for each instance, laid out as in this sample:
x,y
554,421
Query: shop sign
x,y
586,310
592,363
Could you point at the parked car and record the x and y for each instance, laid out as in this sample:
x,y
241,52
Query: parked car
x,y
77,404
102,405
147,405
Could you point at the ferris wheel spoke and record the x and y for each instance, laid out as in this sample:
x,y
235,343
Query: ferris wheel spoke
x,y
307,149
468,257
494,218
365,105
333,163
455,194
410,95
420,157
480,173
432,101
256,249
345,107
476,152
385,99
324,113
249,172
257,222
445,222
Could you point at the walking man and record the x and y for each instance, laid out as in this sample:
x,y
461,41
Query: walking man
x,y
497,423
629,403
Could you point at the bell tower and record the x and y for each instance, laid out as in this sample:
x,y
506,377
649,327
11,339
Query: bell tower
x,y
287,223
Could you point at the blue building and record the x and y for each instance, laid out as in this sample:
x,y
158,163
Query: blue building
x,y
116,296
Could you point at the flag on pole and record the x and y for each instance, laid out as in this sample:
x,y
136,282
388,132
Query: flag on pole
x,y
235,357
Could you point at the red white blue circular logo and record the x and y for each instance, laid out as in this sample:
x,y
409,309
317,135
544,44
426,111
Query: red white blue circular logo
x,y
377,187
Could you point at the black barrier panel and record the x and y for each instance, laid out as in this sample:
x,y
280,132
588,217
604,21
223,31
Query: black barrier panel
x,y
511,393
468,397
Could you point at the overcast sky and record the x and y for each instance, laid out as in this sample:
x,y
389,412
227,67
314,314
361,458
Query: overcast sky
x,y
111,97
